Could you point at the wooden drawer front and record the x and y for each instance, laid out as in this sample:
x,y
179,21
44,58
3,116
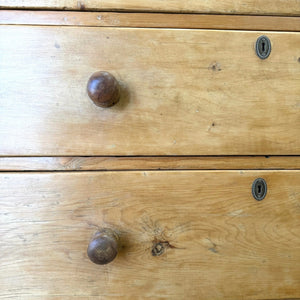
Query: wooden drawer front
x,y
183,92
219,243
280,7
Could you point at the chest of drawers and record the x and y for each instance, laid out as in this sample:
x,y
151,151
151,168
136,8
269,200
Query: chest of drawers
x,y
183,182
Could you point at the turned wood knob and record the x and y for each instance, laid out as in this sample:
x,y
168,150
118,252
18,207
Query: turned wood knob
x,y
103,89
103,248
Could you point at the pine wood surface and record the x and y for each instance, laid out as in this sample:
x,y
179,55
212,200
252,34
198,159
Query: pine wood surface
x,y
218,242
148,163
253,7
149,20
184,92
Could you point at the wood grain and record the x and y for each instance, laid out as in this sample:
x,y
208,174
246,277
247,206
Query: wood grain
x,y
184,92
148,163
258,7
216,241
149,20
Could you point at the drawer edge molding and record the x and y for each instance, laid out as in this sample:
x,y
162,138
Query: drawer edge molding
x,y
150,20
258,7
113,163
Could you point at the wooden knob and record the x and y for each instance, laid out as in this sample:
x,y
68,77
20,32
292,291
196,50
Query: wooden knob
x,y
103,89
103,248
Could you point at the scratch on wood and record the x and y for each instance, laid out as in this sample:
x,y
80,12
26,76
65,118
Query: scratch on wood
x,y
214,246
214,250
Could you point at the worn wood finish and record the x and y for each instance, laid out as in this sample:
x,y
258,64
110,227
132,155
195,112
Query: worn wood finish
x,y
103,247
259,7
195,234
183,92
150,20
148,163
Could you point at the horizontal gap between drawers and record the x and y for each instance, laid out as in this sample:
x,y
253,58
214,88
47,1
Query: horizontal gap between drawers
x,y
150,20
143,170
288,156
145,11
127,163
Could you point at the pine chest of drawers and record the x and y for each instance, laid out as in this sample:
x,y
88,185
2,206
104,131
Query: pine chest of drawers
x,y
150,150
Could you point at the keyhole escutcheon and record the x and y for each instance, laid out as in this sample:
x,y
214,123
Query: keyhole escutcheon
x,y
263,47
259,189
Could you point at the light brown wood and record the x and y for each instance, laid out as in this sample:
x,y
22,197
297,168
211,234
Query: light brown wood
x,y
184,92
259,7
193,234
149,20
148,163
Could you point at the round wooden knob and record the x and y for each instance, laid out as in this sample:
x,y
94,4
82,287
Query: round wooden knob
x,y
103,89
103,248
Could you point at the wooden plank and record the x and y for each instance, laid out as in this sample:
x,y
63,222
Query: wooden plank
x,y
149,20
148,163
258,7
226,245
184,92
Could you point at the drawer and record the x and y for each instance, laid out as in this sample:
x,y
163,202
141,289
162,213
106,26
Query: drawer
x,y
183,92
195,234
260,7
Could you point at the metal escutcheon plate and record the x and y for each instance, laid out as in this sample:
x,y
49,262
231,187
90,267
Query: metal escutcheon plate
x,y
263,47
259,189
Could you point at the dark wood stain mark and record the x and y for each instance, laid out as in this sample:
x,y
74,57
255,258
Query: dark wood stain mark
x,y
213,124
81,5
215,67
159,247
214,250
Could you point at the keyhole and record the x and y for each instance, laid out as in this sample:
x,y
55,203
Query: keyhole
x,y
259,189
263,47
